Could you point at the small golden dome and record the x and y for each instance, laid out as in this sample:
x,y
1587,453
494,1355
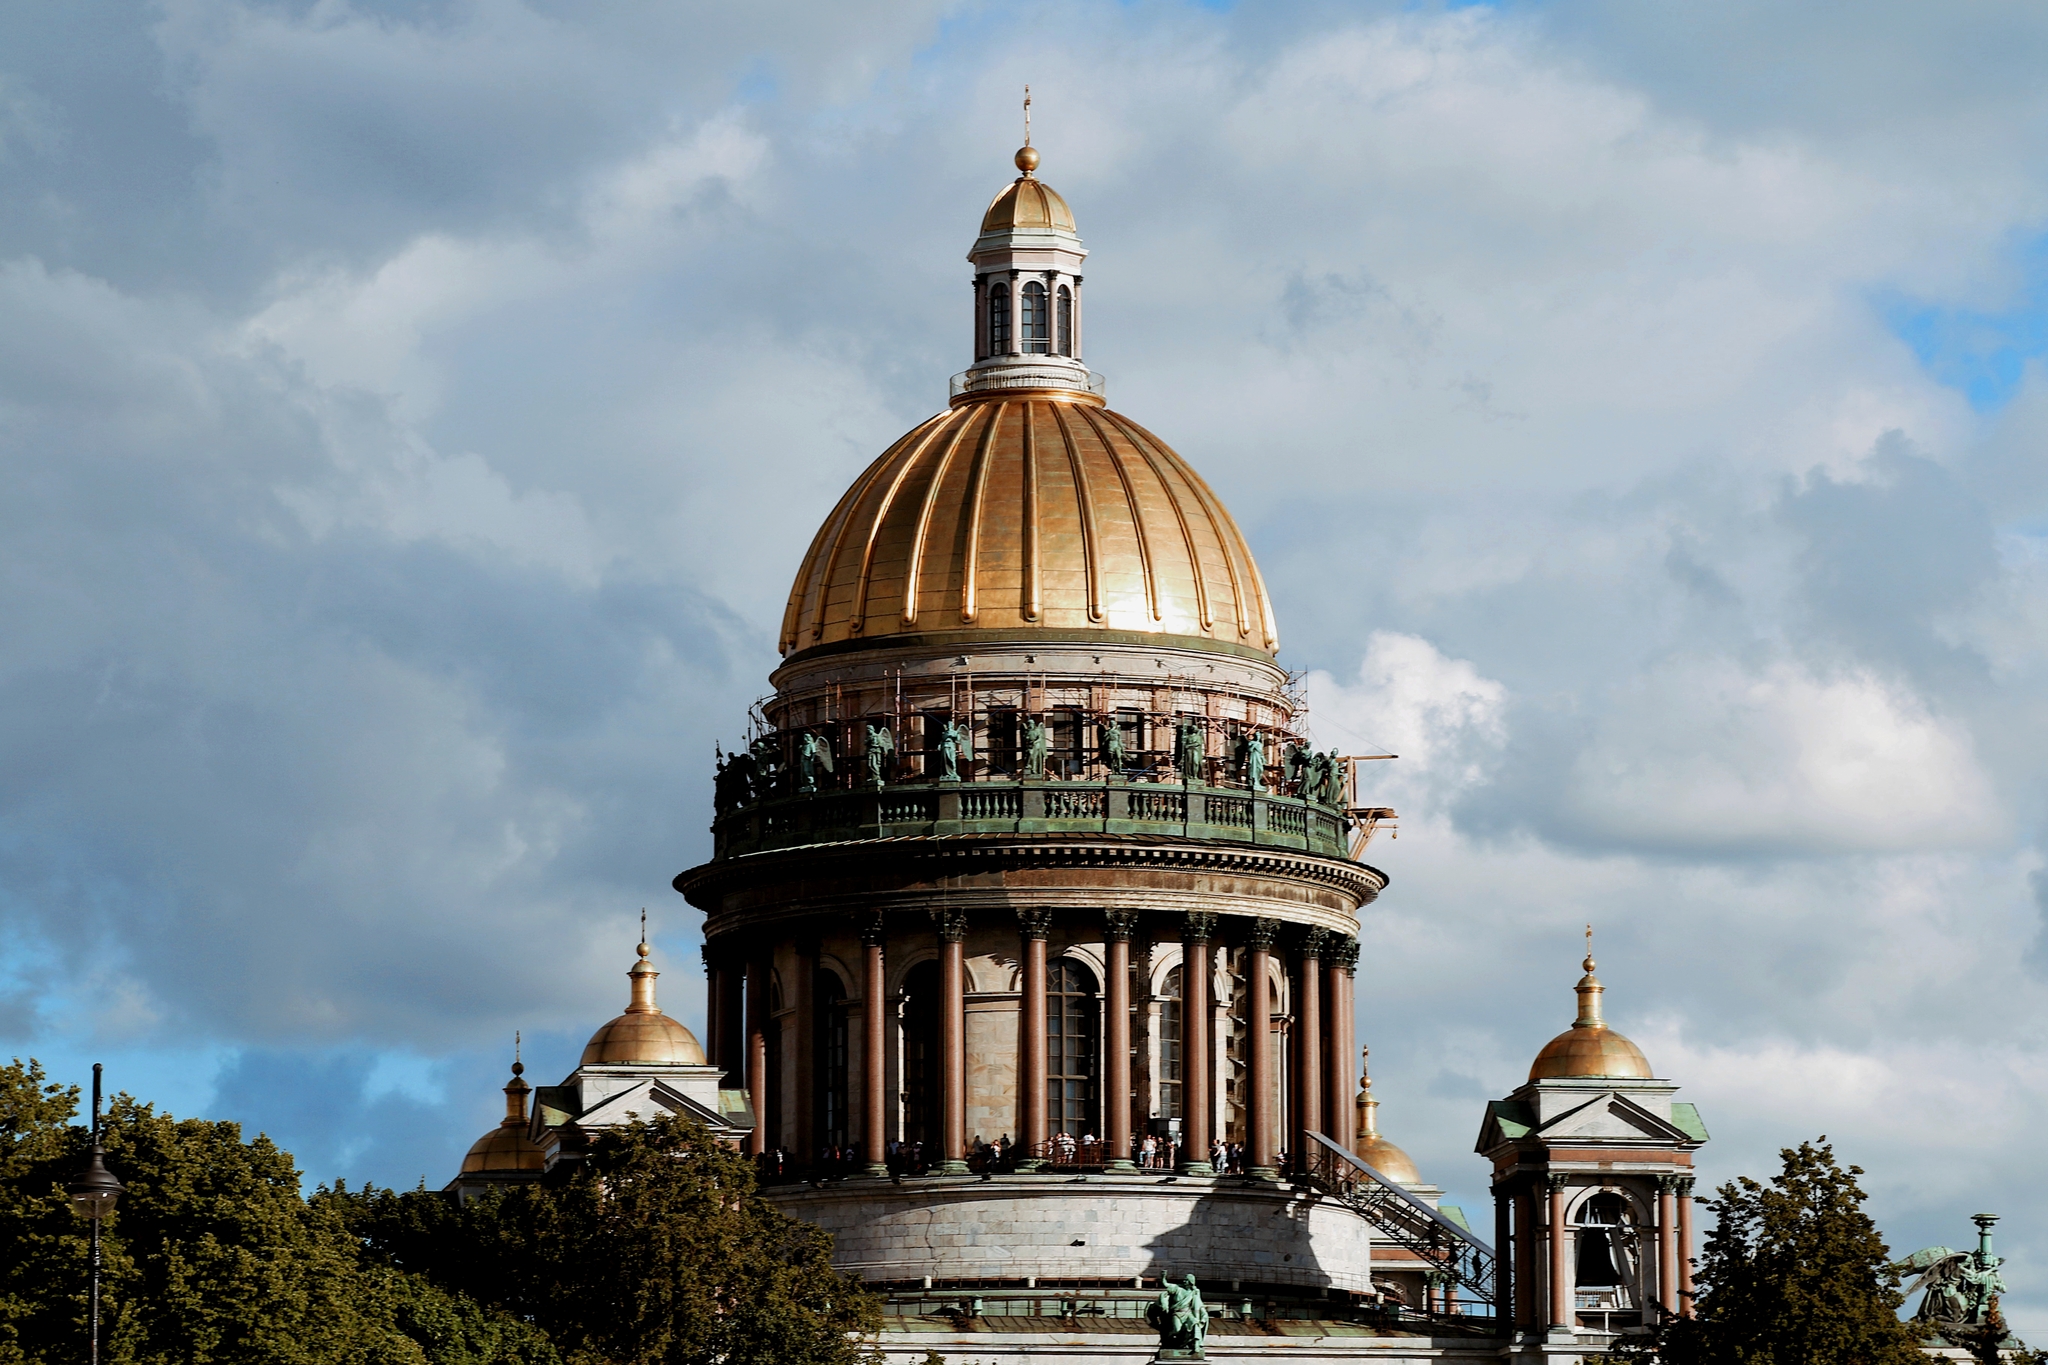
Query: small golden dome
x,y
507,1147
504,1148
1374,1150
1589,1048
1028,202
1029,512
643,1035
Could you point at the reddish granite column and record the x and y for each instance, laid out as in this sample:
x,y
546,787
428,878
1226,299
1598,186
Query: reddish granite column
x,y
1504,1257
1308,1049
1340,983
1117,928
714,1008
1198,1068
1667,1244
1258,1032
1032,927
757,1050
952,1043
1560,1286
1685,1246
1526,1241
874,1048
801,998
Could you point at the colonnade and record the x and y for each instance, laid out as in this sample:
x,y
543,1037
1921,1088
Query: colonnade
x,y
1321,974
1534,1275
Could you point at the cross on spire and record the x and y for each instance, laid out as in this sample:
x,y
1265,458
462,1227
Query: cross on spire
x,y
1027,116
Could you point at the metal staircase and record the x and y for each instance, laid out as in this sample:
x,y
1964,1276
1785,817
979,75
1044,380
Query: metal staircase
x,y
1452,1251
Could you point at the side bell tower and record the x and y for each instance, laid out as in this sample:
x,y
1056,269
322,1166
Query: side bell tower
x,y
1592,1188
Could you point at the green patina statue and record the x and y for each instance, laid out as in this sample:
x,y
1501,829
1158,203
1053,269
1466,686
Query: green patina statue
x,y
1191,747
1181,1319
1110,745
761,772
1251,760
1035,747
1299,765
813,755
1961,1285
953,747
880,745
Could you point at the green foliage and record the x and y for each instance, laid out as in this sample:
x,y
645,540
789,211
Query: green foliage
x,y
656,1251
1794,1273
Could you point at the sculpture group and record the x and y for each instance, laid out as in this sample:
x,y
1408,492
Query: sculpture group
x,y
763,769
1181,1319
1958,1289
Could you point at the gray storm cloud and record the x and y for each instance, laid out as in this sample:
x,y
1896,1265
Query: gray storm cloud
x,y
412,415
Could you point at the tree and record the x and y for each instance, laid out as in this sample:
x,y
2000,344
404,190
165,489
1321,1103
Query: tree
x,y
212,1257
1794,1273
656,1251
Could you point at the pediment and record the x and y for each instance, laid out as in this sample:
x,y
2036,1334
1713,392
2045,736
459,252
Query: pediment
x,y
1611,1117
647,1100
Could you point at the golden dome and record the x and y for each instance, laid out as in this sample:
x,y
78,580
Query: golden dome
x,y
643,1035
1028,202
1589,1048
507,1147
1373,1149
504,1148
1034,510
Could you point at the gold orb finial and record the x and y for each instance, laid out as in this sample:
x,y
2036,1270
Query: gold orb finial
x,y
1588,964
1027,158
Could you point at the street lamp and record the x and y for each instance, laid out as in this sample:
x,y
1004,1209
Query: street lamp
x,y
93,1196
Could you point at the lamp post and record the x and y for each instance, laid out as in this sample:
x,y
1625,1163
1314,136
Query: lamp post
x,y
93,1196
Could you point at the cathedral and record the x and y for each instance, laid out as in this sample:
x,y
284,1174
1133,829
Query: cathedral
x,y
1032,933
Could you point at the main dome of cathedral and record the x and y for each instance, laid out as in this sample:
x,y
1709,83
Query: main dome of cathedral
x,y
1029,506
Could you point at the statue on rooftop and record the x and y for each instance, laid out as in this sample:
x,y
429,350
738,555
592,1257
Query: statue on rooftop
x,y
1192,747
953,746
1181,1319
1111,745
1035,747
880,745
813,754
1960,1285
1251,760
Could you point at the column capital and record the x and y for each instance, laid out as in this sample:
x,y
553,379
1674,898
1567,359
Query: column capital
x,y
1119,926
1314,941
1199,928
1684,1186
873,932
1262,933
1343,951
1035,923
951,924
1667,1184
1554,1182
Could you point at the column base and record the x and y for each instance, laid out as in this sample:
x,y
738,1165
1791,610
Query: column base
x,y
875,1170
1121,1167
1030,1164
1198,1168
953,1168
1271,1173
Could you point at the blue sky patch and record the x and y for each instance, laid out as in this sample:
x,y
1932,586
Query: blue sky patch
x,y
1981,353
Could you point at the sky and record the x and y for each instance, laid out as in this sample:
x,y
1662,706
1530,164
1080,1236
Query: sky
x,y
412,415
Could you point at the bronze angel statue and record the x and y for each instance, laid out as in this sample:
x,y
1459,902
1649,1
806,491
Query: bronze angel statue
x,y
813,755
880,745
1959,1285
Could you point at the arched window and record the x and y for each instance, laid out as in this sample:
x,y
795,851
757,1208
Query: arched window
x,y
1066,321
829,1059
999,320
1073,1023
1170,1048
1607,1253
1034,334
921,1058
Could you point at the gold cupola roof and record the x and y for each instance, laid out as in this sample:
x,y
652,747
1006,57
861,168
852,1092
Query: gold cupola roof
x,y
508,1146
1028,203
1589,1049
643,1035
1373,1149
1029,512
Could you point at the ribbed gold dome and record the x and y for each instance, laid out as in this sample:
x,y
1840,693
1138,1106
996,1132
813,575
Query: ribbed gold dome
x,y
1589,1049
1389,1160
1027,202
504,1148
643,1035
1041,511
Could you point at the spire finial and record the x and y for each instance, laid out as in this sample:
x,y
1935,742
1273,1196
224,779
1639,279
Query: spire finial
x,y
1027,155
642,976
518,1067
643,932
1368,1107
1589,989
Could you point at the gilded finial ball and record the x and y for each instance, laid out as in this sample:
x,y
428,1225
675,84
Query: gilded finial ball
x,y
1027,159
642,949
519,1068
